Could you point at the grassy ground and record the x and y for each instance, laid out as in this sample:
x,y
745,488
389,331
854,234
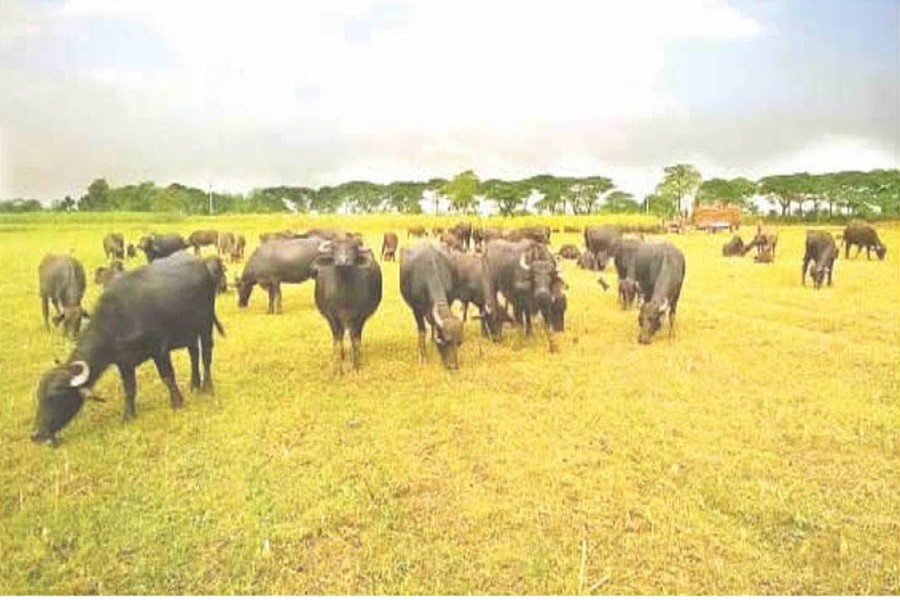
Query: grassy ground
x,y
759,452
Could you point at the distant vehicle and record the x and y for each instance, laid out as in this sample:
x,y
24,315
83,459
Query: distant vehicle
x,y
717,217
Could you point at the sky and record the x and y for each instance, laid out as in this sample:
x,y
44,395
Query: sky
x,y
237,95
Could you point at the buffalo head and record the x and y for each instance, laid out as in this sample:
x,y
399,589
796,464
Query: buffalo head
x,y
650,319
448,334
60,394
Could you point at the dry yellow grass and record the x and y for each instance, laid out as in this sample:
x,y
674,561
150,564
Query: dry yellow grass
x,y
759,452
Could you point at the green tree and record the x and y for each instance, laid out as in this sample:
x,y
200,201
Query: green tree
x,y
461,190
510,196
618,201
735,191
97,197
583,194
786,190
680,182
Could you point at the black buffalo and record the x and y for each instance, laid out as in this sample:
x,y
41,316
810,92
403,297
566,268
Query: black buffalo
x,y
624,257
819,257
203,237
587,260
469,285
602,241
348,291
225,245
131,251
144,314
389,245
659,270
569,251
426,284
733,247
862,235
104,275
524,272
114,246
463,233
62,282
237,253
161,245
275,262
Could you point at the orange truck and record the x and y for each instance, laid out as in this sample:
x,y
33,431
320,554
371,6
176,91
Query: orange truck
x,y
717,217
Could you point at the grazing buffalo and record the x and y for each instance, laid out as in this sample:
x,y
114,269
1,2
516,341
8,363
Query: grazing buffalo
x,y
463,232
114,246
624,258
275,262
287,234
426,284
130,251
146,313
819,257
156,245
571,229
348,291
538,233
569,251
659,271
733,247
602,241
765,240
104,275
389,244
524,272
237,253
226,243
203,237
863,235
416,231
62,282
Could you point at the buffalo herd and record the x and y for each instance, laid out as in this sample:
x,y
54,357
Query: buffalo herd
x,y
512,278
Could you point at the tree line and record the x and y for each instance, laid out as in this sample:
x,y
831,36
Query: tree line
x,y
851,193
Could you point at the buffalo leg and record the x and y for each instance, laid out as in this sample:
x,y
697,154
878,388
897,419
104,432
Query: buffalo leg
x,y
671,322
465,310
129,384
420,325
278,298
806,261
527,317
45,310
194,352
830,270
271,289
846,249
337,333
206,350
164,367
858,250
356,343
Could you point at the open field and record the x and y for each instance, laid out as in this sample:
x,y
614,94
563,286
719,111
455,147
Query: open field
x,y
756,453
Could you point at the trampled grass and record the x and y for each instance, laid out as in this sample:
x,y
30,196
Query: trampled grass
x,y
758,452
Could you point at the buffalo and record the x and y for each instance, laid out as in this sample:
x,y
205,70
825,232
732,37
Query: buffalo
x,y
389,244
287,234
146,313
450,241
416,231
569,251
348,291
463,232
821,252
226,243
602,241
275,262
863,235
659,272
104,275
114,246
537,233
62,282
587,260
426,284
469,285
765,240
156,245
524,272
203,237
624,257
733,247
130,251
237,253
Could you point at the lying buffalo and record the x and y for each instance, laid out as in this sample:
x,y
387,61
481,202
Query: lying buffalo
x,y
819,257
146,313
203,237
275,262
602,241
114,246
62,282
104,275
389,243
156,245
348,291
426,284
569,252
862,235
659,271
733,247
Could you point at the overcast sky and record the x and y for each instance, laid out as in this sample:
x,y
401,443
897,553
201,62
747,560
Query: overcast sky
x,y
244,95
